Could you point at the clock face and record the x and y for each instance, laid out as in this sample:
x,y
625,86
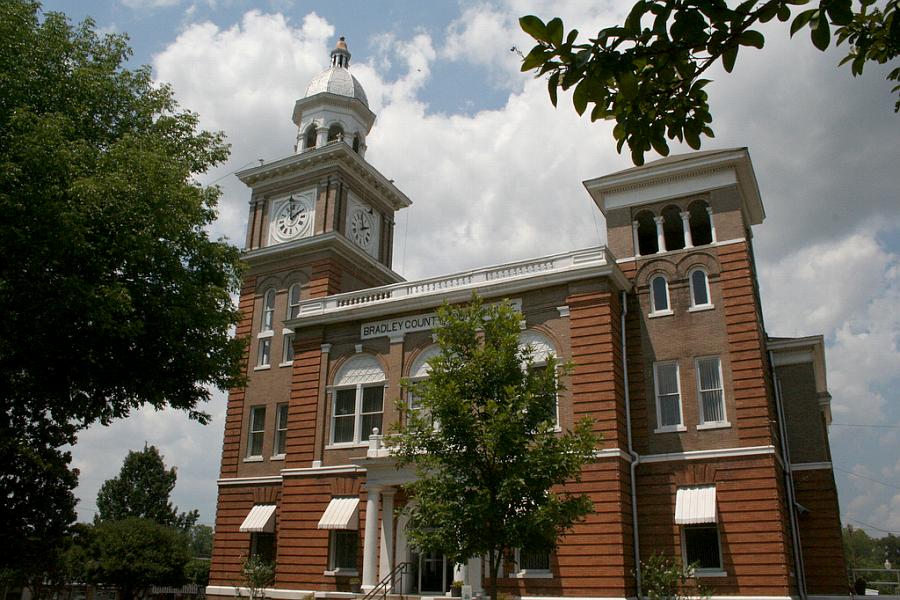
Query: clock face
x,y
292,219
362,228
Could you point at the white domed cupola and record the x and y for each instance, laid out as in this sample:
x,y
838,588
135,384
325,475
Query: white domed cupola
x,y
335,108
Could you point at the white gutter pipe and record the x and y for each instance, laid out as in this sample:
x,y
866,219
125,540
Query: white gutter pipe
x,y
635,457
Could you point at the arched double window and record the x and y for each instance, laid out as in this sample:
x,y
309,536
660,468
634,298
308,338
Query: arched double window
x,y
673,228
659,296
701,223
541,349
647,240
700,297
357,400
335,132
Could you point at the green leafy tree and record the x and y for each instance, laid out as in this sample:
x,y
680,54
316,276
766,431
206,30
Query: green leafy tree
x,y
201,537
860,550
492,473
664,578
113,295
134,554
646,74
142,489
257,574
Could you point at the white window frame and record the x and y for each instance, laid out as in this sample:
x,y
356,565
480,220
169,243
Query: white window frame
x,y
704,424
280,429
357,414
694,306
264,352
332,553
293,304
666,311
267,317
542,363
710,571
287,348
660,428
256,429
522,573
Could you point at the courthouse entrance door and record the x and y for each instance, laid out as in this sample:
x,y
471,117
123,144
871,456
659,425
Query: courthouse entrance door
x,y
435,573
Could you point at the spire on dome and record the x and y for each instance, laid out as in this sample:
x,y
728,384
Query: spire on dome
x,y
340,56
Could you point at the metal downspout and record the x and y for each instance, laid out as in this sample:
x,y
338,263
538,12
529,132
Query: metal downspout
x,y
789,484
635,457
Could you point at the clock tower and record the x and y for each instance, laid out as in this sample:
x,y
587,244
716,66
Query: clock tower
x,y
321,222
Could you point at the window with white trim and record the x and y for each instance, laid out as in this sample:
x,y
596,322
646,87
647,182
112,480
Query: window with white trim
x,y
419,372
357,400
699,289
264,352
532,563
668,397
343,549
268,311
281,423
542,348
257,431
287,350
701,548
710,391
262,546
293,310
659,296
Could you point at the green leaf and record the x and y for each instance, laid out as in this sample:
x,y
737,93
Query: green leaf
x,y
580,97
555,31
821,32
752,38
840,11
784,13
573,35
534,27
637,156
768,11
552,84
659,144
633,22
692,137
628,85
729,57
801,20
534,59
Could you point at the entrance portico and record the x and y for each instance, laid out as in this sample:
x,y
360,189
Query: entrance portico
x,y
385,544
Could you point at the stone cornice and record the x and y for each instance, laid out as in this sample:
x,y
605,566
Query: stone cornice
x,y
333,154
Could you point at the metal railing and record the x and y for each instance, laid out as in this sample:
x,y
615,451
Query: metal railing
x,y
886,581
386,585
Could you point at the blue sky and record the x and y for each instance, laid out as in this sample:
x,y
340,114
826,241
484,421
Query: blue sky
x,y
494,164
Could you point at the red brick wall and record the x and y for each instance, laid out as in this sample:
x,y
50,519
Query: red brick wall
x,y
820,532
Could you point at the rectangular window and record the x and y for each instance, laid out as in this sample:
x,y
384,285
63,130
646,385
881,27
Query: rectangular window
x,y
265,352
668,395
343,549
287,353
372,410
281,420
262,546
257,430
701,547
534,560
709,386
344,418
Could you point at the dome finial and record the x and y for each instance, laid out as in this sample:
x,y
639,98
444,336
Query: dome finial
x,y
340,56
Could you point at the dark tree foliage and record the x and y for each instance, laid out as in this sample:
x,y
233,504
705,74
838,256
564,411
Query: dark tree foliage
x,y
646,73
492,473
142,490
113,296
134,554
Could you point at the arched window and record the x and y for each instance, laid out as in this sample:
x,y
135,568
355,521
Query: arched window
x,y
310,137
335,132
293,310
659,296
699,289
701,224
419,372
541,349
673,229
268,312
648,243
357,400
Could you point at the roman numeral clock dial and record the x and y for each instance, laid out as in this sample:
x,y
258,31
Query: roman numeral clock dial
x,y
361,229
292,219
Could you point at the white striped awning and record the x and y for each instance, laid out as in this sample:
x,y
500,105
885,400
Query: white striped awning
x,y
694,505
260,519
342,513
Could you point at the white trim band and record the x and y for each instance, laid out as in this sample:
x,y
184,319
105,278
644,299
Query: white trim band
x,y
276,594
248,480
707,454
812,466
304,471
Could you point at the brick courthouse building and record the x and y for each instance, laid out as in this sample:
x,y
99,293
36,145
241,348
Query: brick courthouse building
x,y
715,435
